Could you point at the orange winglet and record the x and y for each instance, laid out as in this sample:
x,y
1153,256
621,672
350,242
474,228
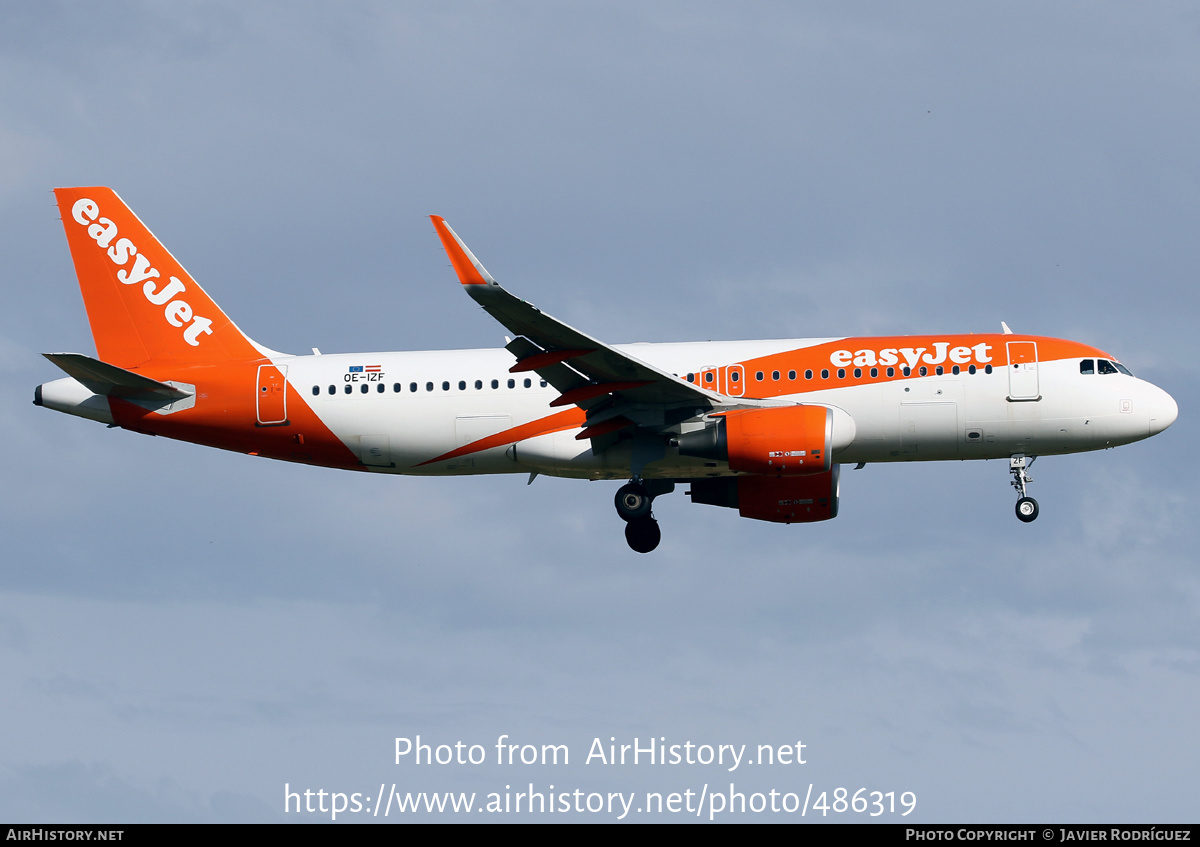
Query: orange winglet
x,y
548,357
468,268
603,429
587,392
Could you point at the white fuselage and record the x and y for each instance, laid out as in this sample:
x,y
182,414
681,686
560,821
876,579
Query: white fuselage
x,y
454,404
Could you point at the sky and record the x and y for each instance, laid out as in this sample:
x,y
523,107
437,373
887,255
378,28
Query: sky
x,y
188,634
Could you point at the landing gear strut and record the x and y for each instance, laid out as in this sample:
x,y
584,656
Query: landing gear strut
x,y
1027,507
633,502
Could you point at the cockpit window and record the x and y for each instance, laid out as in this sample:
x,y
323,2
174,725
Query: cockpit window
x,y
1106,367
1087,366
1122,369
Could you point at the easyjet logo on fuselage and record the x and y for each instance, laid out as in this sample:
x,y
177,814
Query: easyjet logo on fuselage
x,y
942,352
178,313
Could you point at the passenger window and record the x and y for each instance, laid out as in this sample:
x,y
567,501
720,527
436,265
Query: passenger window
x,y
987,369
824,373
1105,366
940,370
791,374
397,387
512,383
971,369
907,371
858,373
874,372
542,383
956,370
412,386
349,388
495,383
528,382
429,386
333,389
734,376
758,375
365,388
924,371
808,374
891,371
380,388
841,373
708,377
775,375
1087,366
316,391
691,377
462,385
445,385
478,384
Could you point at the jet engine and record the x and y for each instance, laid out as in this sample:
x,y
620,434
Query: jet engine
x,y
778,441
778,499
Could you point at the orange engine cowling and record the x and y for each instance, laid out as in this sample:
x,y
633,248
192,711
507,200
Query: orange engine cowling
x,y
782,441
796,499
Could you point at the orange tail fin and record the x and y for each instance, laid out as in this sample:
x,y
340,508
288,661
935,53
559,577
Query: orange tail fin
x,y
142,305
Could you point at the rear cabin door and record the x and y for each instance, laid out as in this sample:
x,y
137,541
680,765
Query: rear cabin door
x,y
271,395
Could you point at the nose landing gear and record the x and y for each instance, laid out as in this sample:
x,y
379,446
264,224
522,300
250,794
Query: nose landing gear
x,y
633,502
1027,507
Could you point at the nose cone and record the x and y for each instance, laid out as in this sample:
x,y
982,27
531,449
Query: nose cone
x,y
1163,411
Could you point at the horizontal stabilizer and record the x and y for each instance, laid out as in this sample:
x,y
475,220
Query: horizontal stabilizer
x,y
111,381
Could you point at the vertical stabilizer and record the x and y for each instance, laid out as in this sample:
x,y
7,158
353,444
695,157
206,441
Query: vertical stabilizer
x,y
142,305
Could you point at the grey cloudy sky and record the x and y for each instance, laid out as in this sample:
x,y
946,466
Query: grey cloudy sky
x,y
183,631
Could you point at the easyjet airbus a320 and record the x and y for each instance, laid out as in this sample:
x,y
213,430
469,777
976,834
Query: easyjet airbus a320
x,y
757,426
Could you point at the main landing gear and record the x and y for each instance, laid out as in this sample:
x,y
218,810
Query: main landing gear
x,y
1027,507
633,503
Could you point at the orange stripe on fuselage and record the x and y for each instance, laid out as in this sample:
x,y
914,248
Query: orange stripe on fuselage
x,y
914,351
566,419
225,416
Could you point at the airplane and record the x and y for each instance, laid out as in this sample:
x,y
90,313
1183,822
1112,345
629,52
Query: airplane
x,y
762,427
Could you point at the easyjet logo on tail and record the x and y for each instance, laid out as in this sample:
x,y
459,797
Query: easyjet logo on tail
x,y
177,312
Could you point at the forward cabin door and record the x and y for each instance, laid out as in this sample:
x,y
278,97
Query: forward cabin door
x,y
271,395
1023,371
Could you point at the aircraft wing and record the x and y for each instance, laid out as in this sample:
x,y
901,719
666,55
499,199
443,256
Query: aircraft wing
x,y
607,383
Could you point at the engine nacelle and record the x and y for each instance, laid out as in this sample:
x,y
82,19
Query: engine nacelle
x,y
799,499
779,441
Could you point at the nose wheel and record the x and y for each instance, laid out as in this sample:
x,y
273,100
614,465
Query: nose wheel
x,y
1027,507
633,502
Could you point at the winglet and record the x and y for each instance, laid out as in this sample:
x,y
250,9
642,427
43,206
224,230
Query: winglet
x,y
468,268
